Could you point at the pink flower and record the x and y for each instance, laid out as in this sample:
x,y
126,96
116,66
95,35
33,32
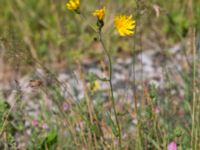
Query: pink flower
x,y
65,107
157,110
44,126
172,146
35,122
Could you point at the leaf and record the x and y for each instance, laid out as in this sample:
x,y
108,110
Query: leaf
x,y
50,141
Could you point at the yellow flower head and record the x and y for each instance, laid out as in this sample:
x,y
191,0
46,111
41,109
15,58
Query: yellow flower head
x,y
94,86
124,25
99,13
73,5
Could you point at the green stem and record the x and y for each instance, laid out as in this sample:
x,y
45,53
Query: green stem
x,y
111,89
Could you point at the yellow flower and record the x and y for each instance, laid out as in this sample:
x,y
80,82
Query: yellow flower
x,y
99,13
73,5
94,86
124,25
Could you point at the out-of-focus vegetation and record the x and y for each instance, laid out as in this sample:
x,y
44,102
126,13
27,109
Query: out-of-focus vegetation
x,y
53,34
44,32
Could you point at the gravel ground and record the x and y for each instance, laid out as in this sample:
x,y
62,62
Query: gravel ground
x,y
151,66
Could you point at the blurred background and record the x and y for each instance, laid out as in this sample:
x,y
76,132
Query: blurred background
x,y
47,31
41,42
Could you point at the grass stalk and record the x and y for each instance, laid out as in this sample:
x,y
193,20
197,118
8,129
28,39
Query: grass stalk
x,y
194,100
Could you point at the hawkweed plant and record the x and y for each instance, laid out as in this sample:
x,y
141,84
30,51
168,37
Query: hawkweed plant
x,y
125,26
73,5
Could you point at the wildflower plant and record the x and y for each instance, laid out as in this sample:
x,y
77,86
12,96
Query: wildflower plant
x,y
172,146
73,110
125,26
73,5
94,86
100,14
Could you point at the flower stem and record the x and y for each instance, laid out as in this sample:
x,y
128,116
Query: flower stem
x,y
111,89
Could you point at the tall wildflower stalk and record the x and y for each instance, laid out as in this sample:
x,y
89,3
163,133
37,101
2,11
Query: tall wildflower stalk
x,y
111,89
124,25
100,14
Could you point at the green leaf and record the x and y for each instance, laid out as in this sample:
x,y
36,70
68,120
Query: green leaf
x,y
50,141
